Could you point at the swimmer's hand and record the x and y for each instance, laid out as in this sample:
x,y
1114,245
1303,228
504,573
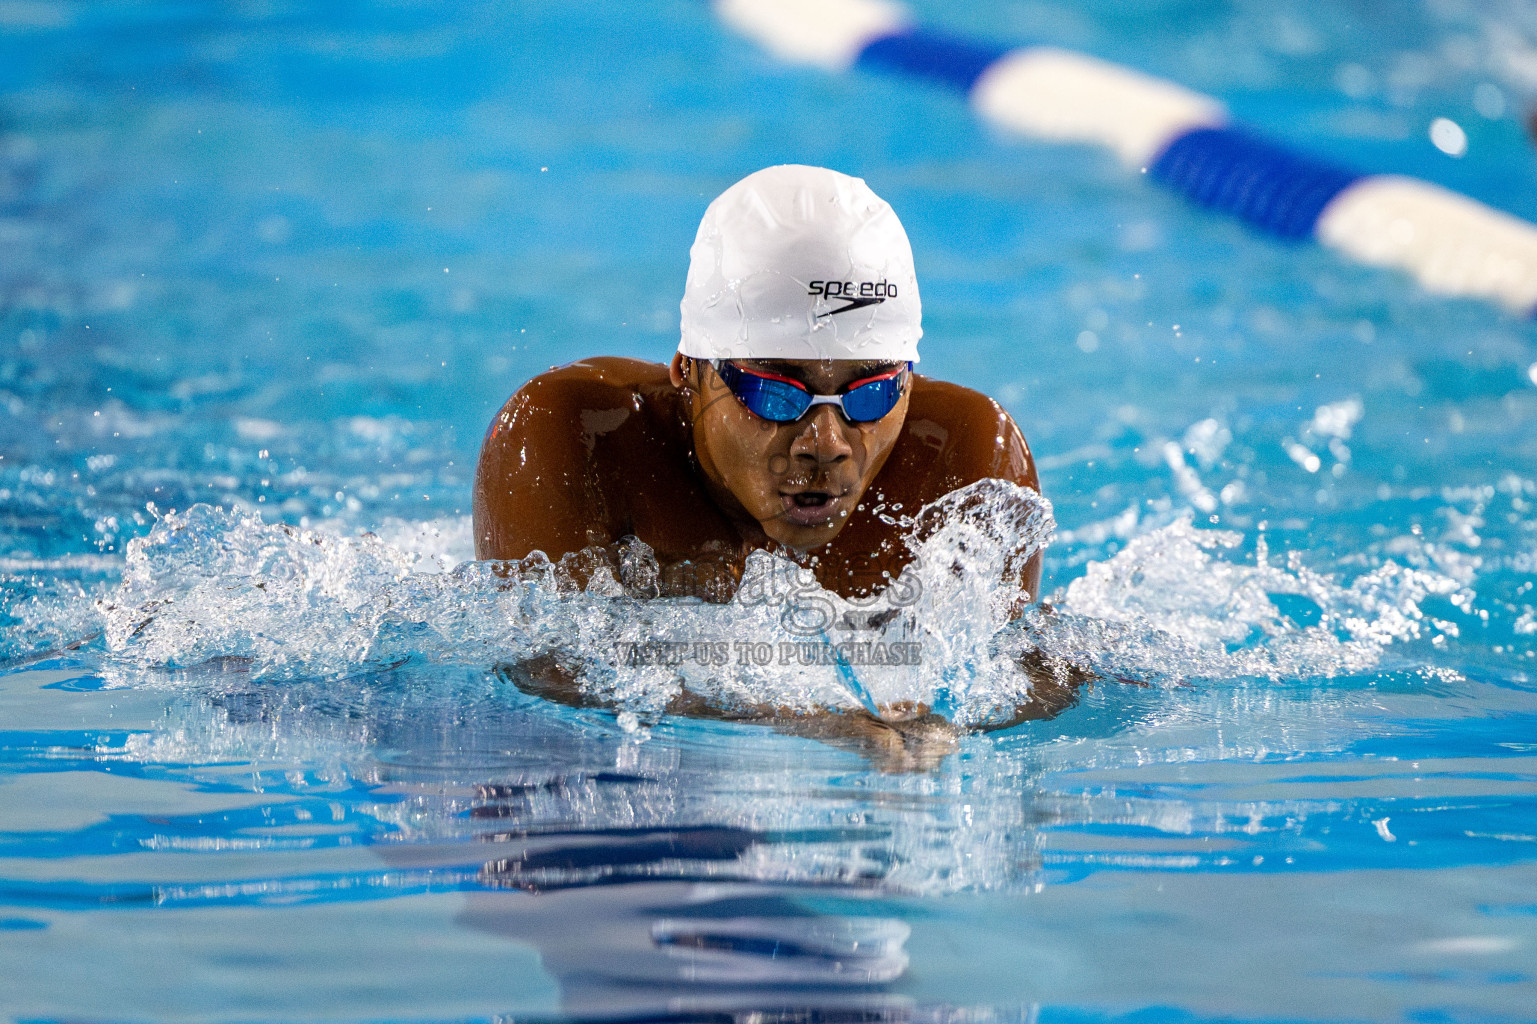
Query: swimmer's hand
x,y
908,738
904,737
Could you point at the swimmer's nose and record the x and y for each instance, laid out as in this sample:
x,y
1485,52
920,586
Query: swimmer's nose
x,y
821,440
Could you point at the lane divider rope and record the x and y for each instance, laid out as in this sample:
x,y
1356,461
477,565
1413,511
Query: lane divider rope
x,y
1451,244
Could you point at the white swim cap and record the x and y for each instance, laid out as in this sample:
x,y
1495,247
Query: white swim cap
x,y
797,262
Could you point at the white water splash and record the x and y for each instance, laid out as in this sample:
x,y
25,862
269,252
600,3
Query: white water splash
x,y
1172,605
1224,618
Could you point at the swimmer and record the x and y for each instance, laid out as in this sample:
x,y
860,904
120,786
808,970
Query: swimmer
x,y
790,419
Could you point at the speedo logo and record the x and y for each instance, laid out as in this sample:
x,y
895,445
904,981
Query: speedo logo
x,y
858,294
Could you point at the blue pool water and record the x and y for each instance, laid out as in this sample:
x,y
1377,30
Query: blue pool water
x,y
267,264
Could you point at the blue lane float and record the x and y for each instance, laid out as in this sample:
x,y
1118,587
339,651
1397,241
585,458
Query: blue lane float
x,y
957,63
1253,179
1451,244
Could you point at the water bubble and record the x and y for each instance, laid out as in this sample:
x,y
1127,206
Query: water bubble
x,y
1207,440
1489,100
1354,81
1447,136
1302,455
1337,419
274,229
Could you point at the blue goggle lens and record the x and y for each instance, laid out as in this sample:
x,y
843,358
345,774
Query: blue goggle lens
x,y
873,400
771,399
784,402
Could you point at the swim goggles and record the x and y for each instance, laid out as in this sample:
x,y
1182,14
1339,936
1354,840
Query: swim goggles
x,y
783,400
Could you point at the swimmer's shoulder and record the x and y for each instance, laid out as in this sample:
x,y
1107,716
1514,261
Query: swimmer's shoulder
x,y
959,436
558,462
604,380
584,399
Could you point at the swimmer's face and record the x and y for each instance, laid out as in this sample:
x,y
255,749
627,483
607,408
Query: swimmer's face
x,y
800,481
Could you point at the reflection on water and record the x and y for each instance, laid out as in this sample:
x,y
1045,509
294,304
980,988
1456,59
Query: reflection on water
x,y
665,879
646,948
645,921
610,856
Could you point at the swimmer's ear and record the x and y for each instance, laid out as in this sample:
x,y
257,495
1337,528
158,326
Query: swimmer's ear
x,y
680,370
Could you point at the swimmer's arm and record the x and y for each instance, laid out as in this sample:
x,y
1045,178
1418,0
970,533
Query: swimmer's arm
x,y
1011,460
1017,454
985,443
537,487
1031,580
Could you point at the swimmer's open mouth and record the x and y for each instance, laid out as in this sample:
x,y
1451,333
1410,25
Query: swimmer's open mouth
x,y
811,508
